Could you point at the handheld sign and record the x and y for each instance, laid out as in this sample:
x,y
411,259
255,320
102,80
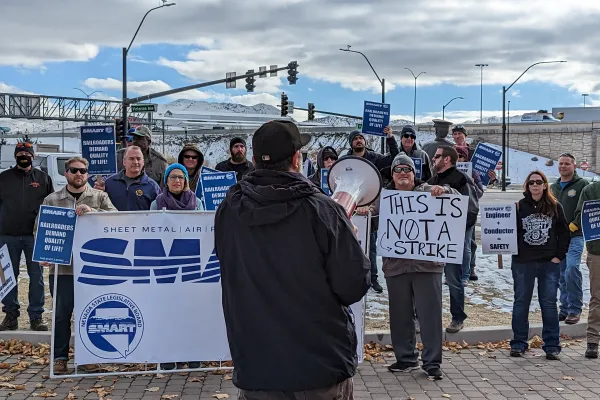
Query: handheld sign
x,y
466,167
206,170
419,226
93,178
418,167
54,236
325,182
499,229
485,160
590,220
214,188
7,273
98,146
376,116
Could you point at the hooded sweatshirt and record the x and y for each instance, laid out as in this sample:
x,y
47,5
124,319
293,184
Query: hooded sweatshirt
x,y
316,177
290,267
194,175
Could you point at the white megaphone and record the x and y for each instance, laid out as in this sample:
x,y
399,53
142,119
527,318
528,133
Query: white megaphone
x,y
355,182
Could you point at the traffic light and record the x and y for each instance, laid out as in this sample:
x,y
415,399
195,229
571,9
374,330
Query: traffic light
x,y
119,130
292,72
284,105
311,111
250,81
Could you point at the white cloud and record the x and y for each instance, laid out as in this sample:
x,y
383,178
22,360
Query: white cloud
x,y
515,93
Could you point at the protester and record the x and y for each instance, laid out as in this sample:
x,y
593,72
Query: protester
x,y
459,134
193,159
237,162
22,190
325,159
130,189
293,254
77,194
409,147
543,241
444,164
177,195
358,148
154,162
308,169
567,190
414,285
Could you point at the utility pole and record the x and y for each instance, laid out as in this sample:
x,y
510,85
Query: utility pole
x,y
481,93
415,96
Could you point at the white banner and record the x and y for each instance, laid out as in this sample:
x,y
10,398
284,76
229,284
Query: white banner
x,y
358,309
7,273
147,289
418,226
499,229
466,167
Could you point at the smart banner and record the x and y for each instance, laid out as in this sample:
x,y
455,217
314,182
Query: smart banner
x,y
485,160
590,220
466,167
206,170
376,116
419,226
418,167
325,181
147,288
7,273
499,229
214,188
98,146
54,235
362,223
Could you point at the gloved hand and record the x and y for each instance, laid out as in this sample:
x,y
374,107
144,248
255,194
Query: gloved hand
x,y
573,228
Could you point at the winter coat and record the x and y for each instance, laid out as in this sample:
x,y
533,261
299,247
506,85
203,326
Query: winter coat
x,y
590,192
316,177
240,169
291,266
155,164
195,175
568,197
135,197
381,161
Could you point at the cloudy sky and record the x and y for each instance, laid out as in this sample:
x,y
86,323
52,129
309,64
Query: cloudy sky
x,y
56,46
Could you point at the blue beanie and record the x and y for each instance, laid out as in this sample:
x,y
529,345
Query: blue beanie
x,y
353,135
176,166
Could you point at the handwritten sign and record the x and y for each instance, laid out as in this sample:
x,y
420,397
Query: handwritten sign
x,y
419,226
54,235
214,188
98,146
485,160
7,273
466,167
325,181
376,116
499,229
590,220
418,167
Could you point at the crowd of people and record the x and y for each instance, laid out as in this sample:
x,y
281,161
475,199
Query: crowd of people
x,y
300,249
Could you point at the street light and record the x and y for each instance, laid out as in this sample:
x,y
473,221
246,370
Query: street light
x,y
88,96
481,91
508,138
381,81
415,97
504,90
125,52
446,105
584,96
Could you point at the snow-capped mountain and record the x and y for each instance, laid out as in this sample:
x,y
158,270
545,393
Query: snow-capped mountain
x,y
204,106
332,120
495,120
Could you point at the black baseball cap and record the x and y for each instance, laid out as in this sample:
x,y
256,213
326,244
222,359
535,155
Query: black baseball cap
x,y
275,141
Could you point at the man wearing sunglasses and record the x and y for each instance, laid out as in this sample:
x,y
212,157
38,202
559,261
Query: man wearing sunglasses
x,y
192,158
409,147
325,159
77,194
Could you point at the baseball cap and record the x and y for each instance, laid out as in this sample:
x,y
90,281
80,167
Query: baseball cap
x,y
275,141
143,131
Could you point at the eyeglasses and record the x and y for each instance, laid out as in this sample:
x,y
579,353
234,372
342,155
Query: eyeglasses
x,y
177,177
409,135
332,158
538,182
74,170
406,170
190,156
435,157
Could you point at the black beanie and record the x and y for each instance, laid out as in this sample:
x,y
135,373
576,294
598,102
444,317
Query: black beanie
x,y
24,146
235,141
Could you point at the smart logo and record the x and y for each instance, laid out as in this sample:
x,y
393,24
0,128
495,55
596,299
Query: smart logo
x,y
111,326
105,262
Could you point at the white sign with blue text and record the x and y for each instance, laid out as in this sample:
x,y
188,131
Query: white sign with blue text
x,y
7,273
362,223
54,235
485,160
147,288
99,147
376,116
214,188
466,167
499,229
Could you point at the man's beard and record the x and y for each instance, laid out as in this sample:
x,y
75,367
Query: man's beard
x,y
77,185
238,157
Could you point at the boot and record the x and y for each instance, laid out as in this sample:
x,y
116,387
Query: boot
x,y
10,323
473,276
592,350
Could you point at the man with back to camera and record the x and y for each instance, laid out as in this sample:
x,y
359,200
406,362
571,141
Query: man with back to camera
x,y
291,267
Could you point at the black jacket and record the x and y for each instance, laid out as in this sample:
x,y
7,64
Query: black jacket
x,y
316,177
240,169
381,161
290,267
21,194
541,238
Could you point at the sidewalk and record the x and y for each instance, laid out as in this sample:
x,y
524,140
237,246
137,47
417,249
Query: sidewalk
x,y
469,374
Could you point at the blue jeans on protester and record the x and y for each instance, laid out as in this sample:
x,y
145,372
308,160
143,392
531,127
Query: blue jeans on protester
x,y
17,245
454,275
571,291
373,255
524,275
466,264
65,302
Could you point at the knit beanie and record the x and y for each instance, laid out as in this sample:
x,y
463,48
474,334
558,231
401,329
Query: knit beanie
x,y
235,141
403,159
176,166
353,135
24,146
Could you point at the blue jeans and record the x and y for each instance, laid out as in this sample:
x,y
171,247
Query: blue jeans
x,y
466,263
17,245
524,275
454,274
571,292
373,255
64,311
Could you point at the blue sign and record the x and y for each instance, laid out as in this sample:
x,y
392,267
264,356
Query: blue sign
x,y
376,117
206,170
485,160
325,181
215,187
93,178
590,220
54,236
418,167
99,148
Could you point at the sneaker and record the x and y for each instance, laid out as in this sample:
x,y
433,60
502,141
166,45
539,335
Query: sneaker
x,y
38,324
60,367
403,367
10,323
572,319
562,317
435,373
194,364
167,366
517,352
552,355
90,368
454,327
592,350
376,287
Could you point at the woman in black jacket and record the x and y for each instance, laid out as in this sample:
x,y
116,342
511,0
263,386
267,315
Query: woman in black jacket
x,y
543,241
